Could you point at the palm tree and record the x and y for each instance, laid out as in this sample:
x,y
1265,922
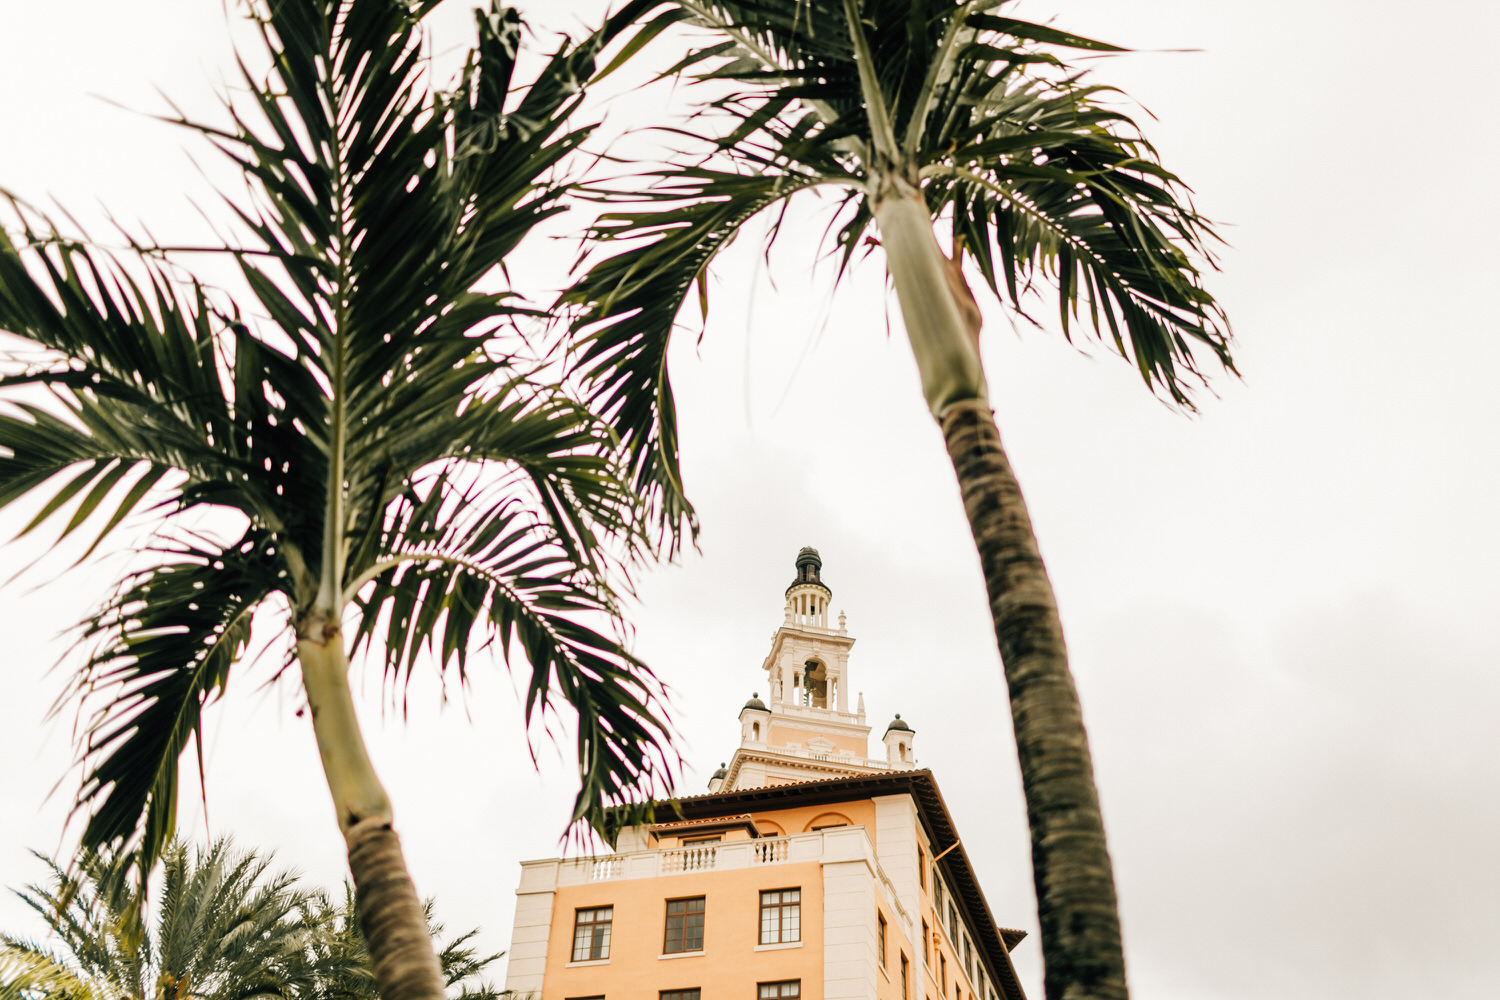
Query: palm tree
x,y
355,441
921,114
225,929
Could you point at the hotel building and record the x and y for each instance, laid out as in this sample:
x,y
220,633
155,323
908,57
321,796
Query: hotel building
x,y
810,870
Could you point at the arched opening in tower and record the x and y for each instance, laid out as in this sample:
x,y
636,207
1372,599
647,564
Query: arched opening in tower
x,y
815,684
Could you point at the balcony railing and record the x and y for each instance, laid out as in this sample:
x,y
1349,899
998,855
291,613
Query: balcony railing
x,y
689,859
696,858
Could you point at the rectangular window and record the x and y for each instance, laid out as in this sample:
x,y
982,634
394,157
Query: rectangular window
x,y
684,925
591,929
780,916
787,989
926,940
694,841
922,868
905,975
943,972
691,994
968,959
953,934
880,941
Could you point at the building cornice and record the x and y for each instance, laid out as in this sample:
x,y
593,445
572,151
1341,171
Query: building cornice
x,y
806,633
771,757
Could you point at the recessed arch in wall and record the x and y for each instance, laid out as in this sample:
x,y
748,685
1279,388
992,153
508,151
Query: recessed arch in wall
x,y
826,820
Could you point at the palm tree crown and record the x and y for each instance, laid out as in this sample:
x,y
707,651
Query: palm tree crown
x,y
1004,144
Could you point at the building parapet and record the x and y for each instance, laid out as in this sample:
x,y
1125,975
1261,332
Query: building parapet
x,y
851,843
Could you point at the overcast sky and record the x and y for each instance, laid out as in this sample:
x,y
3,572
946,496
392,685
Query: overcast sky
x,y
1281,610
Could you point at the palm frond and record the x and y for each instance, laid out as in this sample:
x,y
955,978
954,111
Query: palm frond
x,y
468,569
1043,182
135,377
166,642
627,307
30,972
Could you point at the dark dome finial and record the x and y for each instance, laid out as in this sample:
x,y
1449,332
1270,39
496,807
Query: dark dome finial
x,y
809,568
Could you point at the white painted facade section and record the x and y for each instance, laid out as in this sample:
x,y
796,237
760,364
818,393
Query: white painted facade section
x,y
849,926
528,939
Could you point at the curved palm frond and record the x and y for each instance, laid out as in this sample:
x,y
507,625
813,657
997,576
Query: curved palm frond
x,y
465,569
167,641
627,306
135,376
228,928
31,972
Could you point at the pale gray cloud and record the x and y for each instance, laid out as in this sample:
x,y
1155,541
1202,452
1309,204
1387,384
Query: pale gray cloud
x,y
1280,610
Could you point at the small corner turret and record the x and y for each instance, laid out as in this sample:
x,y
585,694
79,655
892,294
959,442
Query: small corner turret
x,y
899,738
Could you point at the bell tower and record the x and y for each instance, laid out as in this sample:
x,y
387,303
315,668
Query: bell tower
x,y
818,681
804,730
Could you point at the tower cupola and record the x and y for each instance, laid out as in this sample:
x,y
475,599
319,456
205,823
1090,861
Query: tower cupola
x,y
808,596
809,565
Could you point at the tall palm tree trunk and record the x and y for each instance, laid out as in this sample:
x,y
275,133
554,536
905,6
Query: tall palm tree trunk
x,y
1076,905
1075,887
390,913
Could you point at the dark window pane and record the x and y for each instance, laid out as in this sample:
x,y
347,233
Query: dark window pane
x,y
684,925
